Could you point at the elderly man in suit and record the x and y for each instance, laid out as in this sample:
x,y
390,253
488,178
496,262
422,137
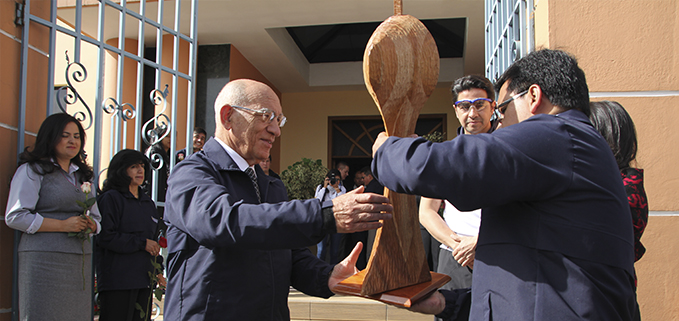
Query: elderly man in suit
x,y
555,241
235,244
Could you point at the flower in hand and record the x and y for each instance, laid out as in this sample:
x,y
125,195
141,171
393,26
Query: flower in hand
x,y
162,241
86,187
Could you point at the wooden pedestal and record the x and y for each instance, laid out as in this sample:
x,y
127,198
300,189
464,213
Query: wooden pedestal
x,y
404,297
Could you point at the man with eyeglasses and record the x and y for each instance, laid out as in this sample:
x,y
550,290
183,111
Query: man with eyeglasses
x,y
474,104
235,244
555,241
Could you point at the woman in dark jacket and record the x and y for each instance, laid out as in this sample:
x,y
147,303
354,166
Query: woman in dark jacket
x,y
126,245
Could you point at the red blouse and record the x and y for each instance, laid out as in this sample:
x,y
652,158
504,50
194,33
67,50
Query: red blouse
x,y
633,179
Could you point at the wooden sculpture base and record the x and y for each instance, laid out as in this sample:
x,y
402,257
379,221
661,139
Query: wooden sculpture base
x,y
404,297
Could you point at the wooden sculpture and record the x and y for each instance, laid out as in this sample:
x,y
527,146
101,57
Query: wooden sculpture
x,y
400,68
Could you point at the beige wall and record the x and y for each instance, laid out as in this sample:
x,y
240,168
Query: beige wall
x,y
626,60
306,133
657,271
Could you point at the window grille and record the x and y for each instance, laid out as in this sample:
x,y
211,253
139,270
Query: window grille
x,y
509,34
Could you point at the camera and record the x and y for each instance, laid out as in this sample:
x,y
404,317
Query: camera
x,y
332,176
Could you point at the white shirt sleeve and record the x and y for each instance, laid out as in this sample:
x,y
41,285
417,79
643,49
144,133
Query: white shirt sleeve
x,y
319,192
23,196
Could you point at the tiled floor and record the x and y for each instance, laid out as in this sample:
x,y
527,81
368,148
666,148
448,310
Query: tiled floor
x,y
347,308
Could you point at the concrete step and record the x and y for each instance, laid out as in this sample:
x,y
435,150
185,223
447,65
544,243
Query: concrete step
x,y
347,308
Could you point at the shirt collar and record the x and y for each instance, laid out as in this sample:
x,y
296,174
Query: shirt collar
x,y
239,160
71,168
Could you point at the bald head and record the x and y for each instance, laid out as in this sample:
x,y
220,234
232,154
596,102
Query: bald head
x,y
240,127
242,92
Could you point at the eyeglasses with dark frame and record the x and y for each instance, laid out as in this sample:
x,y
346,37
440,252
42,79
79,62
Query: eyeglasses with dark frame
x,y
479,104
268,115
503,106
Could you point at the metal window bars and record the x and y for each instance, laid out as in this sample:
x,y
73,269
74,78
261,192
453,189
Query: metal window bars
x,y
509,31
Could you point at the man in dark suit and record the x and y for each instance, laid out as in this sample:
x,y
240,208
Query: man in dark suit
x,y
235,244
555,241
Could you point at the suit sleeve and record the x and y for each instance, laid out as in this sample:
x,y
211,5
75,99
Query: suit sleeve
x,y
475,171
207,205
309,274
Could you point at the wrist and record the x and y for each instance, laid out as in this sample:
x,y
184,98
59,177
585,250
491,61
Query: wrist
x,y
329,225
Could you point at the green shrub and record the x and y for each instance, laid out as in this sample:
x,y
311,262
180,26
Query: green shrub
x,y
301,178
435,137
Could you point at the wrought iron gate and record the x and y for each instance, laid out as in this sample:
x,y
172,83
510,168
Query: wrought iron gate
x,y
87,27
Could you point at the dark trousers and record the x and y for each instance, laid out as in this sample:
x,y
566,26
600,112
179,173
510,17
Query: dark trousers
x,y
329,248
121,305
461,277
348,243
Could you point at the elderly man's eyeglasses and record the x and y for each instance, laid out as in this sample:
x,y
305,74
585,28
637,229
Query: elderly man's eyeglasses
x,y
478,103
503,106
267,115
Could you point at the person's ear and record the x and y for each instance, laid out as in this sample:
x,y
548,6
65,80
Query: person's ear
x,y
535,95
225,114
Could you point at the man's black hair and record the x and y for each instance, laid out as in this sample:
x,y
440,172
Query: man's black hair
x,y
470,82
199,130
556,72
366,171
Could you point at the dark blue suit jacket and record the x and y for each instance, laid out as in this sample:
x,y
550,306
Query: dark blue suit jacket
x,y
555,241
230,258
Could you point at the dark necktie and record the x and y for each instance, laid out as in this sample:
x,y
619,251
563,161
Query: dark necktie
x,y
253,178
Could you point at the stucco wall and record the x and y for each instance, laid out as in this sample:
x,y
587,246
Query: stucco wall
x,y
657,270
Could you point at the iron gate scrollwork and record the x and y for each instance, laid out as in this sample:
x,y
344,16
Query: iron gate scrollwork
x,y
46,16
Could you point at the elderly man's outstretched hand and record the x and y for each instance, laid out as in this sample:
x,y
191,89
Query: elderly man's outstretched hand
x,y
346,268
357,211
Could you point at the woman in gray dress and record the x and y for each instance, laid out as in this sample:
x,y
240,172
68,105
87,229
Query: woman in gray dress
x,y
55,270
